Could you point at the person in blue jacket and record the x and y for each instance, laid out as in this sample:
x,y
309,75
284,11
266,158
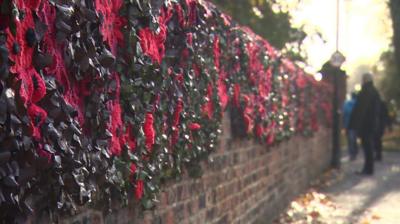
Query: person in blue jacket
x,y
350,133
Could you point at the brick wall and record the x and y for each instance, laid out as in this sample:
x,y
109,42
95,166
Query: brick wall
x,y
243,182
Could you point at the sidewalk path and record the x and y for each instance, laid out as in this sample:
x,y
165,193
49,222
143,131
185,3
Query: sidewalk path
x,y
362,199
346,198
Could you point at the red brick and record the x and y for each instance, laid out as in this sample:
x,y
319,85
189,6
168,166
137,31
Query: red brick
x,y
246,182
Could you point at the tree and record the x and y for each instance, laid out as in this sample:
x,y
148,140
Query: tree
x,y
389,84
394,6
269,19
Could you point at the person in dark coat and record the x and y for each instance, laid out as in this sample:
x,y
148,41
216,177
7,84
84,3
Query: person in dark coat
x,y
364,120
383,122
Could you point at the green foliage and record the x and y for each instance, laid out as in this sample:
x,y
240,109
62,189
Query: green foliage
x,y
268,22
394,6
389,85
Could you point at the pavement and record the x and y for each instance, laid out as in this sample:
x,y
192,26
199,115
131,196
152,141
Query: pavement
x,y
344,197
366,199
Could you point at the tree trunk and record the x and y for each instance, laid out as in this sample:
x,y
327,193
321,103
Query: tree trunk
x,y
395,13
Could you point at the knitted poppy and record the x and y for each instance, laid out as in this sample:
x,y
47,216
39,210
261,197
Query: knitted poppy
x,y
153,44
194,126
285,100
32,4
23,57
268,79
208,107
128,138
148,130
259,130
227,19
270,139
177,112
289,66
42,153
179,13
37,116
112,22
217,52
179,78
32,86
196,70
236,95
192,11
72,94
261,109
256,67
248,122
139,189
222,91
248,112
271,132
189,39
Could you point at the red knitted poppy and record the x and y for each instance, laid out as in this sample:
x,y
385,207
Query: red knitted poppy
x,y
139,189
236,94
192,11
217,52
112,22
153,44
208,108
128,138
148,130
194,126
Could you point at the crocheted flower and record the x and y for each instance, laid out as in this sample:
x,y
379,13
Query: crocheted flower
x,y
152,43
112,22
236,95
259,130
31,85
208,107
222,90
217,52
192,11
148,129
139,189
194,126
129,139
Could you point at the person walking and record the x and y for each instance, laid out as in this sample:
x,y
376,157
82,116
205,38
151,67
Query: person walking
x,y
351,136
364,120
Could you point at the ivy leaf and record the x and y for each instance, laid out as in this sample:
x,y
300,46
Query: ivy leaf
x,y
143,175
147,203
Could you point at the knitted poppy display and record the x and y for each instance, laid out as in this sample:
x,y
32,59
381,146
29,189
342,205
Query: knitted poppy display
x,y
105,100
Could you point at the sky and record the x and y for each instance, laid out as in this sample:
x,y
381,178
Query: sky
x,y
365,32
